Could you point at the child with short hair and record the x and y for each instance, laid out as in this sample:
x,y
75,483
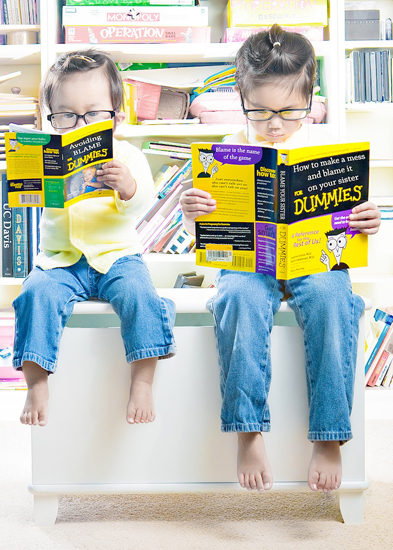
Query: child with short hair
x,y
91,249
275,72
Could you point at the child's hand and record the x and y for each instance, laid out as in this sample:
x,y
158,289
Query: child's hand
x,y
195,202
116,175
365,217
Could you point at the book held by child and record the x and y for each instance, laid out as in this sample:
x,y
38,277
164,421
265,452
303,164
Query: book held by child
x,y
55,170
282,212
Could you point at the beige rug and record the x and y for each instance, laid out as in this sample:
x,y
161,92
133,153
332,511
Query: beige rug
x,y
271,521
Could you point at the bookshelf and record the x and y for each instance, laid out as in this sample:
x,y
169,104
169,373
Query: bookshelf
x,y
355,122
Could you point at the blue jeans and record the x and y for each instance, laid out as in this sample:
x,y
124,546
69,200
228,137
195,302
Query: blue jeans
x,y
327,311
48,296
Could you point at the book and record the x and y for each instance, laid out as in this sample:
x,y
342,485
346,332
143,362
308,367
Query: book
x,y
386,345
55,170
384,370
6,230
379,327
281,212
132,34
169,152
387,381
20,242
378,368
240,34
245,13
126,15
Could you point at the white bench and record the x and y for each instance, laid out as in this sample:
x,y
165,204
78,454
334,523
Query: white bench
x,y
87,446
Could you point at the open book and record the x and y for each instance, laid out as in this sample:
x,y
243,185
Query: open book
x,y
281,212
55,170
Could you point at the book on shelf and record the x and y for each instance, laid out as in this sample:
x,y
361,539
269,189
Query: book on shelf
x,y
369,76
169,151
385,368
244,13
130,3
387,381
157,16
281,212
6,230
382,340
20,242
133,34
181,242
55,170
240,34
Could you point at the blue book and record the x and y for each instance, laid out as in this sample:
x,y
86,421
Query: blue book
x,y
7,270
181,174
388,320
20,241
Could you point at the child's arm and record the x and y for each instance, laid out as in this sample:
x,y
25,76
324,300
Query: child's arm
x,y
116,175
195,202
365,217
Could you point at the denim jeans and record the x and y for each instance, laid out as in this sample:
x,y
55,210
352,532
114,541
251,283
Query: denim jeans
x,y
327,311
48,296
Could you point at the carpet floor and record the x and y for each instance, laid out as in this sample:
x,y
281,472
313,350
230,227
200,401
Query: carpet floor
x,y
243,521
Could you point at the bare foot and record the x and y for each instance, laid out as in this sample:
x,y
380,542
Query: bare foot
x,y
35,411
253,468
140,408
325,468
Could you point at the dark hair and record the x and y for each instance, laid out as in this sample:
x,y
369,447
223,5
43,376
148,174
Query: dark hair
x,y
82,61
272,54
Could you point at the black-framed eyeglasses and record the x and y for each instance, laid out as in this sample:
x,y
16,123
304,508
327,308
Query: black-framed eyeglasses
x,y
63,121
258,115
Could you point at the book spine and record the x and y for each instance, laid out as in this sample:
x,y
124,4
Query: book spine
x,y
19,241
282,251
283,184
7,270
384,371
378,368
136,35
376,348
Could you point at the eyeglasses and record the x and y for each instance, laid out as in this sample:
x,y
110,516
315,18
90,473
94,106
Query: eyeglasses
x,y
266,114
334,243
63,121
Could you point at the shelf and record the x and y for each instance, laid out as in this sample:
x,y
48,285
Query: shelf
x,y
171,53
381,164
368,44
172,130
8,29
26,54
369,107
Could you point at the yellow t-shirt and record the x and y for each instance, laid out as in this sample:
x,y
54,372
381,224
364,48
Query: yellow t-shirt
x,y
103,228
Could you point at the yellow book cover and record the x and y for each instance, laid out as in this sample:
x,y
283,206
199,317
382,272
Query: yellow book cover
x,y
284,12
54,170
281,212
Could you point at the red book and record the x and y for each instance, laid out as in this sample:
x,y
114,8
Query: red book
x,y
378,369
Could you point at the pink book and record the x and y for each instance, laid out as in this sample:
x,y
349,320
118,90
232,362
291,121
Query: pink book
x,y
135,35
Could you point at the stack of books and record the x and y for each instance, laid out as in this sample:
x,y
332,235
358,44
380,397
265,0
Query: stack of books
x,y
379,354
160,228
369,76
19,12
171,21
246,18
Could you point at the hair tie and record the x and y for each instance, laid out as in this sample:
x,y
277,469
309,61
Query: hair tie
x,y
276,44
83,57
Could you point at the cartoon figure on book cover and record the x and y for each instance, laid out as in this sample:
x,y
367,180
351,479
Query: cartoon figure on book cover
x,y
14,146
206,157
336,242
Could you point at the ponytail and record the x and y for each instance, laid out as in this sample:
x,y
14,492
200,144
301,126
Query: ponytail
x,y
276,53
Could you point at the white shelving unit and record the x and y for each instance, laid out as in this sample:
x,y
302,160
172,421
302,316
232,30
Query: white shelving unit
x,y
369,122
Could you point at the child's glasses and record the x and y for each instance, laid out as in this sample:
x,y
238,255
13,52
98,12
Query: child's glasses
x,y
63,121
257,115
